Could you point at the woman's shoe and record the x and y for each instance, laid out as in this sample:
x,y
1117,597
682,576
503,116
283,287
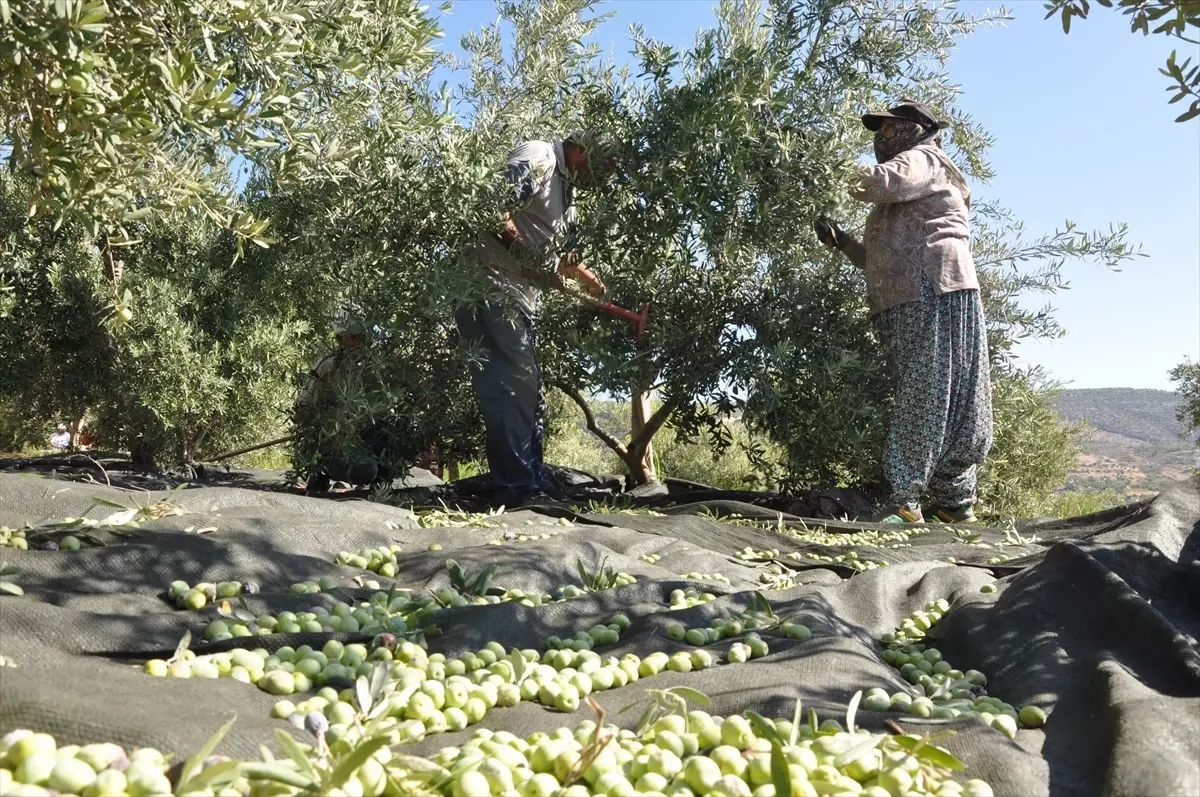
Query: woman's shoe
x,y
954,515
902,514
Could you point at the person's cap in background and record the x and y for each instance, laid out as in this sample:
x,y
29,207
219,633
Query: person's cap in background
x,y
348,320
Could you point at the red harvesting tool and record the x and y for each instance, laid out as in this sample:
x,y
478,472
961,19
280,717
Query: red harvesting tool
x,y
638,318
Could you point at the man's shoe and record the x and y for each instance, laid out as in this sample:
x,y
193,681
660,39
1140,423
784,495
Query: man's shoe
x,y
318,482
534,498
954,515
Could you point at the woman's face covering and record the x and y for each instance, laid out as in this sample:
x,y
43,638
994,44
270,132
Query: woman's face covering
x,y
894,136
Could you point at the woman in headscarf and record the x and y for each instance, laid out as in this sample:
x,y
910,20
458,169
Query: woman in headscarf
x,y
924,296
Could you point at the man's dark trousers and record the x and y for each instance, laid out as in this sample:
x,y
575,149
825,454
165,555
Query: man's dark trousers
x,y
508,386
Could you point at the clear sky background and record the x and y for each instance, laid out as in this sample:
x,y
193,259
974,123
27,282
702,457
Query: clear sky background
x,y
1083,132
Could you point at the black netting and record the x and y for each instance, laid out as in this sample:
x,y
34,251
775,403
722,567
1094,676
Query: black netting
x,y
1096,618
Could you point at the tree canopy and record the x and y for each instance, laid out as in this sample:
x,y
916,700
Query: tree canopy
x,y
122,108
323,132
1186,377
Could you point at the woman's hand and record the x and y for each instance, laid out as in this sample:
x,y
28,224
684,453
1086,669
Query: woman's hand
x,y
830,234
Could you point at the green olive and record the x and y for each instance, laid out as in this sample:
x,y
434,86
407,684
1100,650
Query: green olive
x,y
278,682
1032,717
1006,725
156,667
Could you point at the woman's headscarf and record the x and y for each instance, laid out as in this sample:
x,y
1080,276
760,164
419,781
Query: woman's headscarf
x,y
906,135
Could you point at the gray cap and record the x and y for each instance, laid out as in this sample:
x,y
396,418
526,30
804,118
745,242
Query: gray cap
x,y
348,320
600,148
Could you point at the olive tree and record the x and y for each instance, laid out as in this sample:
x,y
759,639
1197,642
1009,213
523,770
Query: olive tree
x,y
733,146
399,224
120,108
1033,450
1186,377
57,359
126,127
827,393
205,362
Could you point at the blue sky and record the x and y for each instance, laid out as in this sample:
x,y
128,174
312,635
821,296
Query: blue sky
x,y
1083,131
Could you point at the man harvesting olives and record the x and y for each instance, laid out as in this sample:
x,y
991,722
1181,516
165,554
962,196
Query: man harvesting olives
x,y
924,295
507,382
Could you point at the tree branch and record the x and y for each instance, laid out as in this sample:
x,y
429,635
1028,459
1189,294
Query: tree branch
x,y
815,48
653,424
590,419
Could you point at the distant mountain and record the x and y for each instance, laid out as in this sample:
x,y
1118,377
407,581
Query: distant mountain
x,y
1135,445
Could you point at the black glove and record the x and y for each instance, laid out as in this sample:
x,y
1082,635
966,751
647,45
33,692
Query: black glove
x,y
829,233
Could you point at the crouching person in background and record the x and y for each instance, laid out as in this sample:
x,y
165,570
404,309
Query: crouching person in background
x,y
356,461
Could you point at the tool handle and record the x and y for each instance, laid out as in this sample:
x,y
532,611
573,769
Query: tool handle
x,y
248,449
613,309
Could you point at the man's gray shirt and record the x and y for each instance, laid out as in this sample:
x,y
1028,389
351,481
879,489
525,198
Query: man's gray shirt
x,y
544,210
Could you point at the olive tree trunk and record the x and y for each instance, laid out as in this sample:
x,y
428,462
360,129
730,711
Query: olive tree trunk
x,y
640,412
637,454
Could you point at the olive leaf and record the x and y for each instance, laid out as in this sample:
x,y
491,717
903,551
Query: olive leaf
x,y
694,695
852,710
423,769
762,604
929,753
857,750
217,774
764,727
293,750
355,759
193,765
379,680
457,579
8,587
182,648
631,706
277,773
362,690
796,720
780,776
602,578
520,667
471,584
648,718
663,702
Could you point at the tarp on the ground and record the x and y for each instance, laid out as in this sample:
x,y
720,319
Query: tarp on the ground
x,y
1096,619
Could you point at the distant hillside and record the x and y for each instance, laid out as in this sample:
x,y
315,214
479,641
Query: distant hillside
x,y
1145,415
1136,444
